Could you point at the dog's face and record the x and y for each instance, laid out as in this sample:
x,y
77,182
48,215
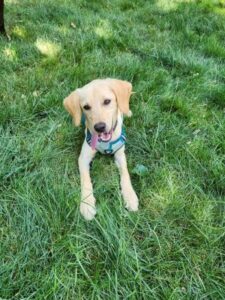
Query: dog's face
x,y
99,105
100,101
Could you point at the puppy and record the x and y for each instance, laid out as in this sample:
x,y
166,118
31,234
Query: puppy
x,y
101,105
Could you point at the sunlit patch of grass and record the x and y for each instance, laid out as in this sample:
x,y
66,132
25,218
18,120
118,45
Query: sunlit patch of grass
x,y
47,48
11,2
19,31
202,210
167,191
10,54
220,10
170,5
103,29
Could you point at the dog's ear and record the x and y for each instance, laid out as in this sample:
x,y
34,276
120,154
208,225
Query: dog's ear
x,y
123,90
72,105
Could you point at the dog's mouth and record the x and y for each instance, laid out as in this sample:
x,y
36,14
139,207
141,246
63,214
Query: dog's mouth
x,y
102,137
105,136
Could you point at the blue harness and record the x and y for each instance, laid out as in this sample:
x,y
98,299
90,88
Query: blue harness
x,y
110,147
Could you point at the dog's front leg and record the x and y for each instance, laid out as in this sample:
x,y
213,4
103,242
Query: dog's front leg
x,y
129,195
87,206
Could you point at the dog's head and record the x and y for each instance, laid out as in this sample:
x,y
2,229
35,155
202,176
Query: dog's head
x,y
100,100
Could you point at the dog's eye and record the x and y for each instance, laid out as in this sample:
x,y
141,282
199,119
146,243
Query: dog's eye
x,y
106,101
87,107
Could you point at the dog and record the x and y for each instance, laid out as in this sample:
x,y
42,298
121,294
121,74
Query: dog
x,y
101,104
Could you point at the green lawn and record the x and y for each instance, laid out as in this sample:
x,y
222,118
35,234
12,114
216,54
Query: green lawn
x,y
174,247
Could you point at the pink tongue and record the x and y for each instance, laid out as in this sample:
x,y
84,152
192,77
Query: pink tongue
x,y
94,140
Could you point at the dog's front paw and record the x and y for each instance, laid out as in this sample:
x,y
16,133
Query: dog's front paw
x,y
88,210
131,200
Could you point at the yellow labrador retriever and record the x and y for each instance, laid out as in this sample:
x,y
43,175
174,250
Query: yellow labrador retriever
x,y
101,104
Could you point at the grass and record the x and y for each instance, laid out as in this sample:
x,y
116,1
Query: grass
x,y
173,248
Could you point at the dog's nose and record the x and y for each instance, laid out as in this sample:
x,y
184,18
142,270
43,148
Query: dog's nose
x,y
100,127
